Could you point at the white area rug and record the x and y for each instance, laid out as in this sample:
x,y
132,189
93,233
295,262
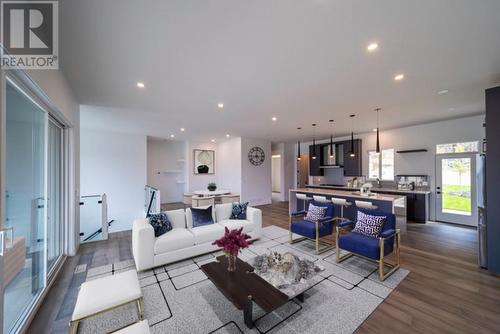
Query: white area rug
x,y
180,299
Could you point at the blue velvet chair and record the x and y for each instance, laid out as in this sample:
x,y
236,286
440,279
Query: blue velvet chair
x,y
314,230
375,249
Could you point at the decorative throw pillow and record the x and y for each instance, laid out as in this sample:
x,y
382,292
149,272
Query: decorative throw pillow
x,y
160,223
369,225
239,211
202,217
315,213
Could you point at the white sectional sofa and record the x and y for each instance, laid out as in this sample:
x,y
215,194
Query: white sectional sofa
x,y
184,241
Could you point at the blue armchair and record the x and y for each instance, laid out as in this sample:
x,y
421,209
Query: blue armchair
x,y
375,249
314,230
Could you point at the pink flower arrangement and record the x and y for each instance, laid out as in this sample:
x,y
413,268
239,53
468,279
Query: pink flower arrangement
x,y
233,241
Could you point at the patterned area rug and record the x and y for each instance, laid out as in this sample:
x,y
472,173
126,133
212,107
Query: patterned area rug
x,y
179,298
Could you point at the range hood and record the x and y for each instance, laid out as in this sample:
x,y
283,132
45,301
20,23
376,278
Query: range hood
x,y
332,162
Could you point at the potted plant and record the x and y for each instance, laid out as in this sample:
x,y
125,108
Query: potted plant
x,y
232,242
212,186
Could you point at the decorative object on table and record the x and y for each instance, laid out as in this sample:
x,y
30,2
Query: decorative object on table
x,y
239,211
202,216
287,272
232,242
204,161
160,223
374,248
322,225
366,189
256,156
212,186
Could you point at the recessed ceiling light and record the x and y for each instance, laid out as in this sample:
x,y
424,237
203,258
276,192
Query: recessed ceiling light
x,y
220,105
399,77
140,84
374,130
182,129
372,47
444,91
213,140
228,135
172,136
274,119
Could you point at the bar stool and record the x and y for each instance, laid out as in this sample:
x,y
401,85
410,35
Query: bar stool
x,y
305,199
366,205
342,202
321,199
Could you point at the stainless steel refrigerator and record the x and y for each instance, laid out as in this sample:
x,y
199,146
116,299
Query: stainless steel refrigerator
x,y
481,209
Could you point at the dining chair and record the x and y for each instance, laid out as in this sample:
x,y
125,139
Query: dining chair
x,y
230,198
198,201
305,200
343,203
187,199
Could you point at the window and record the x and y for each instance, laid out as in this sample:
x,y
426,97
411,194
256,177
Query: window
x,y
471,146
381,165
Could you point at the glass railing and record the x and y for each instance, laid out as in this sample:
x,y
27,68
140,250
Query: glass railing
x,y
151,200
93,218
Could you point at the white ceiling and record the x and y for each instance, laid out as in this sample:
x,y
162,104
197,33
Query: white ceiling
x,y
301,61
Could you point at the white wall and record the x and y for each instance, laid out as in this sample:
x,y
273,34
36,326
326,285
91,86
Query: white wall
x,y
199,181
256,180
162,156
228,163
115,164
424,136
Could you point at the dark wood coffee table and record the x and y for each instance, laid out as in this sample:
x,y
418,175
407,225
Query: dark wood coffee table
x,y
243,287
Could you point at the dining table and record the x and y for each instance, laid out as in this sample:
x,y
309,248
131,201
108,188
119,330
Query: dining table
x,y
207,193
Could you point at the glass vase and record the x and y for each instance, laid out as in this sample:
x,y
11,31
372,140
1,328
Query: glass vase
x,y
231,263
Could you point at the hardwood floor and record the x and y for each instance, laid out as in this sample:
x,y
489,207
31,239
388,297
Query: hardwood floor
x,y
445,291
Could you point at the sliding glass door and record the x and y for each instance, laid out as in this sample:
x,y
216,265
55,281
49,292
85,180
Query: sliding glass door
x,y
24,274
54,191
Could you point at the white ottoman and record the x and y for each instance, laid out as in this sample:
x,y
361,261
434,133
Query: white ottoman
x,y
104,294
141,327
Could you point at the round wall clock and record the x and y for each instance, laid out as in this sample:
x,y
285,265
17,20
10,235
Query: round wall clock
x,y
256,156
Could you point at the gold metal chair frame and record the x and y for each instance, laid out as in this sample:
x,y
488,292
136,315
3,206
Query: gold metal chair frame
x,y
328,245
73,324
381,263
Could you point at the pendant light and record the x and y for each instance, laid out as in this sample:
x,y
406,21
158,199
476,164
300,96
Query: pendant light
x,y
377,147
314,141
298,145
352,155
332,155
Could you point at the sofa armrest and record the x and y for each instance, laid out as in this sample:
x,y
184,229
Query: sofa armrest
x,y
143,242
388,233
346,223
254,215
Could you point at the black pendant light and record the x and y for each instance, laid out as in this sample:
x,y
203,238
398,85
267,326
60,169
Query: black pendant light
x,y
352,136
332,154
298,146
314,141
377,147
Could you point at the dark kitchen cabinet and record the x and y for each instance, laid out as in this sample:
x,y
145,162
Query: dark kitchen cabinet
x,y
421,208
352,165
314,164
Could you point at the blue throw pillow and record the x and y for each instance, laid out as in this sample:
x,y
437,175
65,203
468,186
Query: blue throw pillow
x,y
369,225
202,217
160,223
239,211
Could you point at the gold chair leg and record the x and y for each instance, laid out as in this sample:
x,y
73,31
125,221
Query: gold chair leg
x,y
73,327
140,311
317,238
290,229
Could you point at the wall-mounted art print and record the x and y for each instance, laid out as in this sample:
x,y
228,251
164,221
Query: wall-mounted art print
x,y
204,161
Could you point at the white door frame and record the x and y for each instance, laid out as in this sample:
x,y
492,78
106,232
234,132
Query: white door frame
x,y
471,219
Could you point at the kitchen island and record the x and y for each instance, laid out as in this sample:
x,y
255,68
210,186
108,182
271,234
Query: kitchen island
x,y
391,203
